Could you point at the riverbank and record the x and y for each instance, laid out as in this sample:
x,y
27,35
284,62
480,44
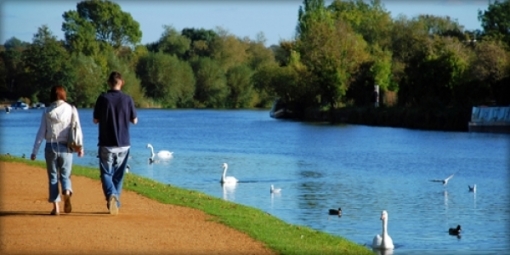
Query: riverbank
x,y
448,119
154,219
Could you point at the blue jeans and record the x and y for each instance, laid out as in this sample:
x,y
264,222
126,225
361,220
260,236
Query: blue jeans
x,y
112,164
59,162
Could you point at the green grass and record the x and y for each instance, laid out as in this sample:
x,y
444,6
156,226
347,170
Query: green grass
x,y
281,237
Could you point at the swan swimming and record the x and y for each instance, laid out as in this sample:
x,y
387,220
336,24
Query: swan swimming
x,y
472,188
445,181
163,154
275,190
227,179
383,241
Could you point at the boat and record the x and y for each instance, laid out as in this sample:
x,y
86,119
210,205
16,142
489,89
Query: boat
x,y
493,119
38,105
279,110
19,105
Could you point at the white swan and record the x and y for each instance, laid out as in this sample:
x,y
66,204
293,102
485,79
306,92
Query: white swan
x,y
227,179
275,190
383,241
163,154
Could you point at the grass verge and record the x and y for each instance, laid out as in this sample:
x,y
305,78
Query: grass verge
x,y
281,237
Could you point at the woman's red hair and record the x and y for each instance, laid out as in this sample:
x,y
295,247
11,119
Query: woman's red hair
x,y
58,93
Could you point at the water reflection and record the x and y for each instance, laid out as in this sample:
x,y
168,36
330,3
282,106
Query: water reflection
x,y
383,252
229,191
273,195
445,199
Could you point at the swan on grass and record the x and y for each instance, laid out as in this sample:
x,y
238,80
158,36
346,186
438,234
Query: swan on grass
x,y
383,241
275,190
227,179
162,154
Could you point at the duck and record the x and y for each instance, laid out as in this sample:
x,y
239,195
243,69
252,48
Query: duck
x,y
455,231
227,179
472,188
383,241
335,211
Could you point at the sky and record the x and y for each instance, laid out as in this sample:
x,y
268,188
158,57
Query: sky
x,y
276,19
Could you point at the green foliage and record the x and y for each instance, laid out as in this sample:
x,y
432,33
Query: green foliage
x,y
89,80
211,88
240,86
495,21
47,64
171,42
167,80
368,19
102,20
331,51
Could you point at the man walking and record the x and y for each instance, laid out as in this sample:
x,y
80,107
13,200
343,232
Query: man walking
x,y
113,111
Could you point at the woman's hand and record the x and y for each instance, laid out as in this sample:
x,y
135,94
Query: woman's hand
x,y
80,153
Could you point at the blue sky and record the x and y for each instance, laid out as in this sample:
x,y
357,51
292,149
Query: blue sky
x,y
243,18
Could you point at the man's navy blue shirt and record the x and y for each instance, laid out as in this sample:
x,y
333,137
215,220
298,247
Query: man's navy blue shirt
x,y
114,110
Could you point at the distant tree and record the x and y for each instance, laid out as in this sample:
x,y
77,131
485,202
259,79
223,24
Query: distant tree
x,y
15,43
368,18
102,20
12,62
89,80
211,88
228,50
240,85
495,21
47,64
172,42
167,80
331,51
201,40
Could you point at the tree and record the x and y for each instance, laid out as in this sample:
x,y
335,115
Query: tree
x,y
495,21
211,88
370,20
102,20
47,63
171,42
89,80
167,79
331,51
241,89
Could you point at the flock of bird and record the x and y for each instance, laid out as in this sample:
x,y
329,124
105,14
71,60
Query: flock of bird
x,y
384,241
225,180
381,241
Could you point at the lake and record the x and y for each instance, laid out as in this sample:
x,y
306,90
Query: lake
x,y
361,169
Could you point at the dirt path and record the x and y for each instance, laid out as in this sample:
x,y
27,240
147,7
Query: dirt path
x,y
143,226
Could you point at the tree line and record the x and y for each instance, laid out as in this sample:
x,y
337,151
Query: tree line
x,y
339,53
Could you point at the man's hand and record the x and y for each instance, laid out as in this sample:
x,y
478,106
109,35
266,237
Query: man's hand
x,y
32,157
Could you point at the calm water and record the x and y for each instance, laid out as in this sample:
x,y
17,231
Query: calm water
x,y
361,169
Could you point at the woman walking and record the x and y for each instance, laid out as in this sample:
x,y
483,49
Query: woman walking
x,y
54,128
